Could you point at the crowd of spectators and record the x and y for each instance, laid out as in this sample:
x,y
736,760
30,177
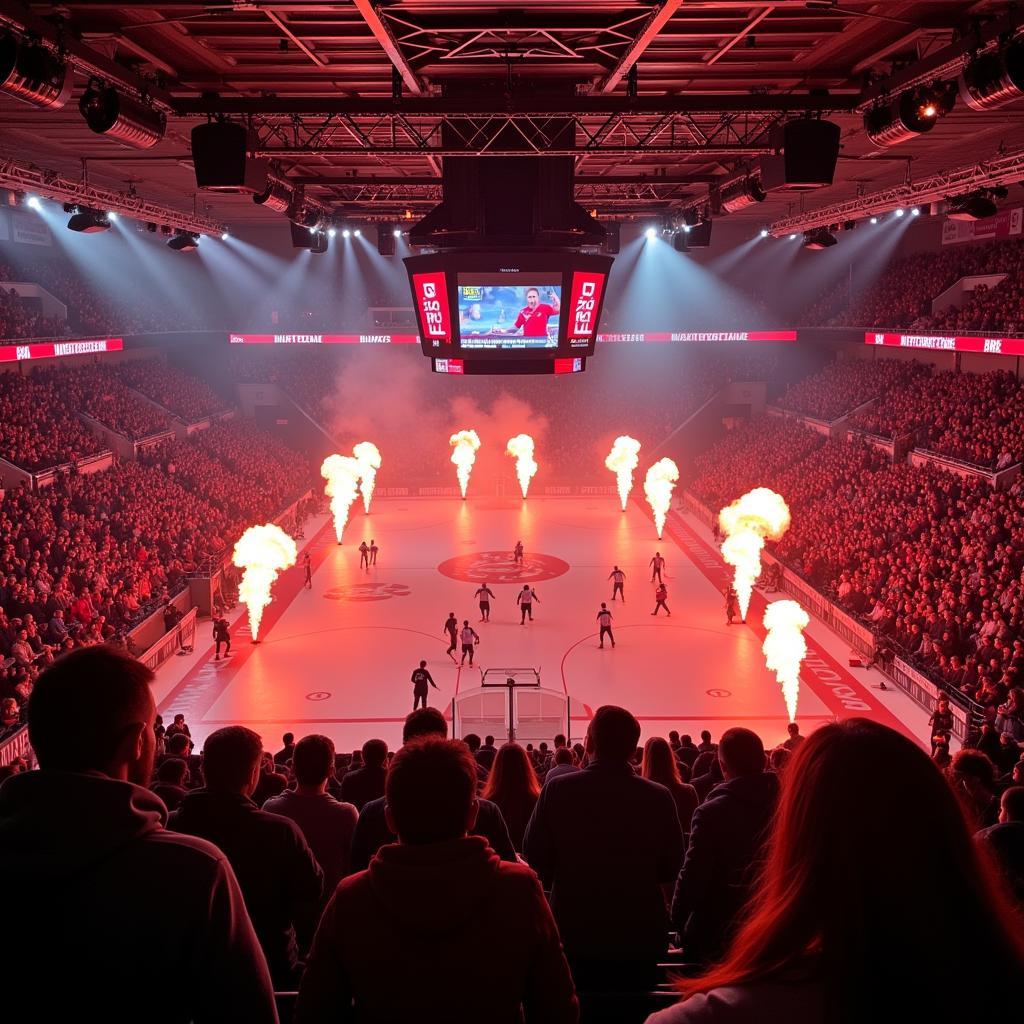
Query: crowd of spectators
x,y
20,317
974,417
844,384
376,912
183,394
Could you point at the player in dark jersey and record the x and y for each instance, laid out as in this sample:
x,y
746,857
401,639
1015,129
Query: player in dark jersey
x,y
364,556
604,618
221,635
373,552
420,678
732,605
307,565
483,596
619,578
517,553
451,627
533,317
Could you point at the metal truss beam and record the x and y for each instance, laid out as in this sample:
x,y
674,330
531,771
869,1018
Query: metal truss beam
x,y
369,181
1002,169
653,24
29,178
371,14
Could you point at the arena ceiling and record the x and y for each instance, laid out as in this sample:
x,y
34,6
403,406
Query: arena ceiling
x,y
362,100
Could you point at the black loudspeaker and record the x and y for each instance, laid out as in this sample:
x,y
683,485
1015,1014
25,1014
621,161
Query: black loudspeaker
x,y
810,150
679,241
612,234
699,236
386,240
319,242
220,160
302,238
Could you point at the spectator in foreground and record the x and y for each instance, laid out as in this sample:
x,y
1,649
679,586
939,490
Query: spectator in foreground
x,y
96,870
659,765
565,764
604,841
279,876
171,781
418,906
364,784
372,829
812,948
326,823
726,842
1005,841
512,784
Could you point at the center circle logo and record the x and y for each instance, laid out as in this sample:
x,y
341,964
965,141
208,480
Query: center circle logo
x,y
367,592
501,567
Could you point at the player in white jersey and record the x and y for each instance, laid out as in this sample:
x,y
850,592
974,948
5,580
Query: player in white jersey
x,y
657,564
604,618
483,596
619,578
470,639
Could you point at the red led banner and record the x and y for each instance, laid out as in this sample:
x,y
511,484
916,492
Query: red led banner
x,y
947,343
323,339
661,336
57,349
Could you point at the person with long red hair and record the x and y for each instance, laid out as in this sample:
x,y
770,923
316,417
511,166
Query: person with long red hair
x,y
874,903
512,784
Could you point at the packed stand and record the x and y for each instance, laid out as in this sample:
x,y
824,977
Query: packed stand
x,y
760,864
19,318
843,385
38,425
187,397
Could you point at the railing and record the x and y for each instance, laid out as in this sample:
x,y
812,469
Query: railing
x,y
15,745
182,635
996,478
966,712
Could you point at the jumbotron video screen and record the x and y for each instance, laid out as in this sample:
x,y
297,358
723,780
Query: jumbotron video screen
x,y
508,314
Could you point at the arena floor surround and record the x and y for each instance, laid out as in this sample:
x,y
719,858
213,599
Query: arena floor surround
x,y
337,659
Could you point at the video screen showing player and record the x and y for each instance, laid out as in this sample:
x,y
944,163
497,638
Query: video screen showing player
x,y
509,316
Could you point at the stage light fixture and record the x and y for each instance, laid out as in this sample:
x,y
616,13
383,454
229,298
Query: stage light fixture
x,y
764,232
915,212
89,222
738,195
357,233
331,232
819,238
277,196
346,233
224,236
912,113
792,238
183,241
33,74
319,243
33,203
994,79
874,220
112,215
651,233
899,211
120,117
397,233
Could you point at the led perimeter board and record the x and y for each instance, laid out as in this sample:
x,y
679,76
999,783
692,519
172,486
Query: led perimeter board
x,y
505,312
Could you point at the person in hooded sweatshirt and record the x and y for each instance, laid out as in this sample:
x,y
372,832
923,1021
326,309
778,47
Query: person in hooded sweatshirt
x,y
401,940
279,875
95,870
727,838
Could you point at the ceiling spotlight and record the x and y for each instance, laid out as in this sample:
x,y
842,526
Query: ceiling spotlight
x,y
738,195
276,196
397,233
651,233
915,211
910,114
33,203
89,222
121,117
792,237
357,233
224,236
764,232
33,74
111,215
346,233
995,78
874,220
819,238
332,232
183,241
899,211
687,228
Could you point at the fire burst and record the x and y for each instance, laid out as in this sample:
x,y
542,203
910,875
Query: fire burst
x,y
747,523
521,446
342,474
622,460
659,484
368,456
464,448
785,647
262,552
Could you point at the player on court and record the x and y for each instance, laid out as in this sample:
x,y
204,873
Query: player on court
x,y
307,565
364,556
468,636
525,599
420,678
604,618
517,553
451,627
221,635
661,596
620,581
373,552
732,605
657,564
483,596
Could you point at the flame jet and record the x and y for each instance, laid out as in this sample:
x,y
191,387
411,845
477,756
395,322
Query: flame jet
x,y
261,553
342,474
757,516
521,447
659,484
785,648
622,460
465,444
368,456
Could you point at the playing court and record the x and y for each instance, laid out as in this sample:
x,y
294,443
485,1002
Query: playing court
x,y
337,658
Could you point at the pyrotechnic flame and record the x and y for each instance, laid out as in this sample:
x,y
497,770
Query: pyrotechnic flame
x,y
464,447
342,474
521,446
368,456
785,647
262,552
622,460
747,523
659,484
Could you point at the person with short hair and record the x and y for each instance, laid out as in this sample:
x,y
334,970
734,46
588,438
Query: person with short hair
x,y
484,596
278,873
469,638
618,578
727,837
96,869
605,841
661,599
372,830
525,599
366,783
604,620
1005,841
420,679
794,739
420,901
170,782
451,627
287,751
326,823
657,564
487,753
